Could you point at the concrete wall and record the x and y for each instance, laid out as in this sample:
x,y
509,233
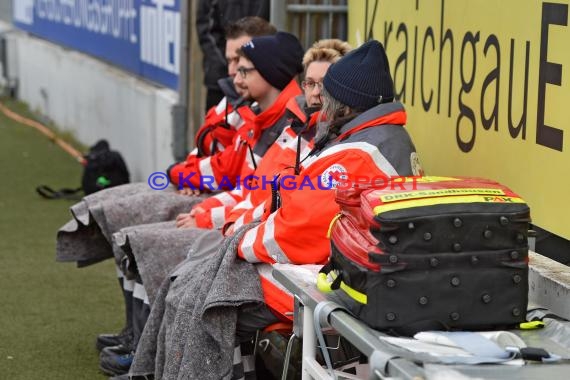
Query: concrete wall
x,y
4,28
6,10
95,100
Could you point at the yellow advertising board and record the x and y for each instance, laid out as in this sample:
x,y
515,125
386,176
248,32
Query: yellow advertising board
x,y
486,84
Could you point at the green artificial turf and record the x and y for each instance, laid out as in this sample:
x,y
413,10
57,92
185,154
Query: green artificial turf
x,y
50,312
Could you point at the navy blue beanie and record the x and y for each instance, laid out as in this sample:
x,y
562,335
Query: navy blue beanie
x,y
278,57
361,79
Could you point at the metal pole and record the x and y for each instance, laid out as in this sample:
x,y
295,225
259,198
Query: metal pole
x,y
278,13
180,110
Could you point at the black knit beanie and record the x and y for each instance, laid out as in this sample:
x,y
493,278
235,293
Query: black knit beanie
x,y
361,79
278,57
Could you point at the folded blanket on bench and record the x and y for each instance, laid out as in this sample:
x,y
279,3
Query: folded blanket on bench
x,y
87,237
190,333
156,249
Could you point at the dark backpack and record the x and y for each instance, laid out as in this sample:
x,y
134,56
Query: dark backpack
x,y
104,168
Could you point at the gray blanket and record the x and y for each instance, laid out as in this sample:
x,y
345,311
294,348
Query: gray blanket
x,y
87,237
190,333
155,249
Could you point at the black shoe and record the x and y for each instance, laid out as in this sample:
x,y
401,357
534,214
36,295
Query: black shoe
x,y
109,340
120,349
116,360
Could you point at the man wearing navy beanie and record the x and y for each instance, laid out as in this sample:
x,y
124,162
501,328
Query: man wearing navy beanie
x,y
362,78
276,57
266,73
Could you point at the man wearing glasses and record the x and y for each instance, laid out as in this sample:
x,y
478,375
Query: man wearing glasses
x,y
265,73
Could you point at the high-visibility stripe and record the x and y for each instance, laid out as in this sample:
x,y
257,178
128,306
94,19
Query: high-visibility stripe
x,y
245,204
218,216
128,285
139,292
248,363
226,199
273,249
432,178
378,158
354,294
236,144
395,197
235,120
237,193
449,200
239,222
248,216
247,245
351,292
207,170
221,107
259,210
237,355
276,296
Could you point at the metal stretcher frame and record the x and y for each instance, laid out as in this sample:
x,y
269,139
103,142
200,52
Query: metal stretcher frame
x,y
382,362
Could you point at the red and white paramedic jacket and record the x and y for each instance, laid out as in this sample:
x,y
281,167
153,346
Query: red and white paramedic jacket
x,y
254,135
373,144
248,202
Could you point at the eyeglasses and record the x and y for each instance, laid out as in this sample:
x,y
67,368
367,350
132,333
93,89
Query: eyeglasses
x,y
244,70
309,85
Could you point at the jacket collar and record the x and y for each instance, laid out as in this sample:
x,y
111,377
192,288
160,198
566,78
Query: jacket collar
x,y
270,116
386,113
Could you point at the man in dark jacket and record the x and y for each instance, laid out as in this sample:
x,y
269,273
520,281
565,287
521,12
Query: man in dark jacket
x,y
212,17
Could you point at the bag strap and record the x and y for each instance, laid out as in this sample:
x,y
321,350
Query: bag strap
x,y
323,284
63,193
488,351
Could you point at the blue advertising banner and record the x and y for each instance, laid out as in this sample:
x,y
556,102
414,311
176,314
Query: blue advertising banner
x,y
140,36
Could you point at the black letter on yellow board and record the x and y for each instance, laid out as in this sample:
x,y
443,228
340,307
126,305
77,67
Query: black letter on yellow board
x,y
493,76
515,131
444,38
387,31
426,103
466,86
415,61
549,72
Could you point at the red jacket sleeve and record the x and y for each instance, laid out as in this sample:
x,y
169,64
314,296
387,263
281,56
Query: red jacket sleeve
x,y
215,172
